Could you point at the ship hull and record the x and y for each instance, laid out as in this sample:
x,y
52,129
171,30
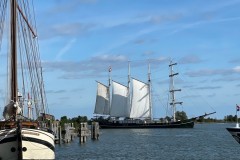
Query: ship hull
x,y
26,143
8,143
235,132
111,125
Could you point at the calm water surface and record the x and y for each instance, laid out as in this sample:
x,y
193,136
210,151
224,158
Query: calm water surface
x,y
205,141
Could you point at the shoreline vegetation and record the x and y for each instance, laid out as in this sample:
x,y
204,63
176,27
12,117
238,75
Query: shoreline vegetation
x,y
179,116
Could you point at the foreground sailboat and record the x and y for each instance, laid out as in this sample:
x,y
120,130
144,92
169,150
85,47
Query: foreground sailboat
x,y
24,134
135,109
235,131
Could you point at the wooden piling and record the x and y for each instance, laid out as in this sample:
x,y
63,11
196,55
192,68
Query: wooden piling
x,y
59,134
69,132
95,130
72,132
83,132
56,128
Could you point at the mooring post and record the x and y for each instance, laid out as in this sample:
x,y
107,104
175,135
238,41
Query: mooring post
x,y
59,134
95,130
57,131
82,132
72,132
67,137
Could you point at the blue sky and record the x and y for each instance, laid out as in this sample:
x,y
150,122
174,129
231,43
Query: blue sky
x,y
79,39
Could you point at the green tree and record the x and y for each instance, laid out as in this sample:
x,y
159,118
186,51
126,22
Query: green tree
x,y
230,118
63,120
167,119
181,115
201,119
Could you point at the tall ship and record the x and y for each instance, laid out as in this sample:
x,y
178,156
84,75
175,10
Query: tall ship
x,y
25,130
126,109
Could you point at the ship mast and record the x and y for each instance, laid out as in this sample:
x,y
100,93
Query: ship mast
x,y
14,92
173,90
149,90
129,82
109,85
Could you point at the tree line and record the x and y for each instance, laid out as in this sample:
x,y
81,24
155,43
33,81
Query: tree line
x,y
75,120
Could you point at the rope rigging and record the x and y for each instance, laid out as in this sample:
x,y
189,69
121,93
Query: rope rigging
x,y
30,77
32,58
3,5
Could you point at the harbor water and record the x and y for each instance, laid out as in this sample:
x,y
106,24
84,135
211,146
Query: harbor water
x,y
204,141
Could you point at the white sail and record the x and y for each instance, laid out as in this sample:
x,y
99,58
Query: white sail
x,y
140,100
102,101
120,104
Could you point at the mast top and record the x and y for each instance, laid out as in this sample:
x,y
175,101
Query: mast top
x,y
173,90
172,64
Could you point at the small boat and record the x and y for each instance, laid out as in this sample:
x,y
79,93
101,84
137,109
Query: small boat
x,y
25,131
135,109
235,131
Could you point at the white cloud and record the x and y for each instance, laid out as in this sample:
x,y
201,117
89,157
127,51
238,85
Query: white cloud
x,y
208,87
97,64
190,59
210,72
214,72
110,58
237,69
66,48
202,22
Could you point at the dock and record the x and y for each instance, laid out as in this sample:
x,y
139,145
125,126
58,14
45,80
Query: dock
x,y
68,133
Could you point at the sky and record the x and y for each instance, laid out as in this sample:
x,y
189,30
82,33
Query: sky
x,y
80,39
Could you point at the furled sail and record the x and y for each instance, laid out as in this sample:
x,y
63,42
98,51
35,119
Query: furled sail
x,y
102,101
140,100
120,104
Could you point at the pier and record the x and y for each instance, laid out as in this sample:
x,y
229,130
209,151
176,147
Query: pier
x,y
95,130
69,132
56,128
83,132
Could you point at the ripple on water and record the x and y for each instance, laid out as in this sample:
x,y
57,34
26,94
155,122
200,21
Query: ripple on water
x,y
205,141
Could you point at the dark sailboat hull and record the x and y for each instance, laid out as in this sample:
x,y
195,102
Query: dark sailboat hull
x,y
189,123
235,132
111,125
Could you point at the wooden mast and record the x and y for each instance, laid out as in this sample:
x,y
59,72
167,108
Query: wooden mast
x,y
14,86
14,92
129,91
149,91
109,86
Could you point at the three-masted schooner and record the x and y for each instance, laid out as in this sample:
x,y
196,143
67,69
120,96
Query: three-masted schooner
x,y
135,108
25,130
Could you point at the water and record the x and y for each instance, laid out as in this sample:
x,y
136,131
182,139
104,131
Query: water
x,y
205,141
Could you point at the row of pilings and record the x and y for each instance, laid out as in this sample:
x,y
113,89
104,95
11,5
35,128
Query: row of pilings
x,y
69,132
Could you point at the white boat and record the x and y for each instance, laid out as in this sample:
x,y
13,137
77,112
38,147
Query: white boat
x,y
25,131
235,131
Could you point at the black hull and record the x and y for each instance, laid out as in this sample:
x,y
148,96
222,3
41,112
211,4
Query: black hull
x,y
235,132
111,125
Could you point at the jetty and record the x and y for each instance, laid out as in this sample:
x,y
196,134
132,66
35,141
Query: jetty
x,y
68,133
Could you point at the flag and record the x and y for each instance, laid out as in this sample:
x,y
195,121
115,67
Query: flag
x,y
237,107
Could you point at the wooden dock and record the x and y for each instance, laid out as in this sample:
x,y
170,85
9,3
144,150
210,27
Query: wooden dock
x,y
68,133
